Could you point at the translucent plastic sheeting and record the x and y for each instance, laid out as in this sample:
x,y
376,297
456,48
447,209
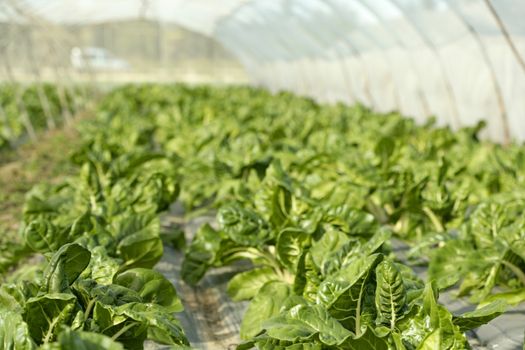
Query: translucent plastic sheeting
x,y
460,60
199,15
446,58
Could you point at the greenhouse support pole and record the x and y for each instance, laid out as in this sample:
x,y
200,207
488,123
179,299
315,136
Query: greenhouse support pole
x,y
3,115
338,56
26,121
359,57
61,93
446,79
484,54
247,53
36,71
6,126
412,65
387,61
506,34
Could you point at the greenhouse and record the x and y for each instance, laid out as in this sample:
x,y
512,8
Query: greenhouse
x,y
262,174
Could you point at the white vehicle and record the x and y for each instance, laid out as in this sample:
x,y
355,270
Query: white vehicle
x,y
96,58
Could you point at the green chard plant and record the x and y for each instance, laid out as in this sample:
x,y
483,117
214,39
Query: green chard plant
x,y
309,199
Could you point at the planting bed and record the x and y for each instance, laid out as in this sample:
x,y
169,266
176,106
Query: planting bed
x,y
297,225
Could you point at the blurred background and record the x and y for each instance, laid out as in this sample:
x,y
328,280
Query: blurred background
x,y
460,61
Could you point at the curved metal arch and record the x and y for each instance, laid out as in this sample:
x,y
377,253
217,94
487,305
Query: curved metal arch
x,y
506,34
384,56
340,59
425,106
18,94
486,59
446,79
358,55
283,45
247,54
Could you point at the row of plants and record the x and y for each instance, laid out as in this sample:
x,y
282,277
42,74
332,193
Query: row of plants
x,y
25,109
314,196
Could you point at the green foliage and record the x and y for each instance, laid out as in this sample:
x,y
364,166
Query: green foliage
x,y
40,102
310,195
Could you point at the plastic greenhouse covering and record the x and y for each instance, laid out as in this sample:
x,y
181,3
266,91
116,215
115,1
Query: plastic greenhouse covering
x,y
455,62
459,60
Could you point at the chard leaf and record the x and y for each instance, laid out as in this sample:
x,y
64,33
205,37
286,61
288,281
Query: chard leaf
x,y
46,314
14,332
80,340
351,220
331,241
65,267
336,260
487,221
303,322
110,321
152,287
266,304
290,245
141,249
480,316
13,296
42,236
333,287
513,298
428,317
448,263
114,294
161,326
242,226
390,296
368,340
101,267
274,199
245,285
201,254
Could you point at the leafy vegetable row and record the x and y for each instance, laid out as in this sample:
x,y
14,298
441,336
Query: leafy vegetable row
x,y
100,233
323,277
310,194
25,109
433,187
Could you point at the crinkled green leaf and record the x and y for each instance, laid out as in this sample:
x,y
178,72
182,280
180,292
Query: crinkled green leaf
x,y
266,304
69,339
141,249
331,241
65,267
242,226
152,287
390,296
45,315
42,236
14,332
246,285
333,287
302,322
514,297
201,254
290,245
162,326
